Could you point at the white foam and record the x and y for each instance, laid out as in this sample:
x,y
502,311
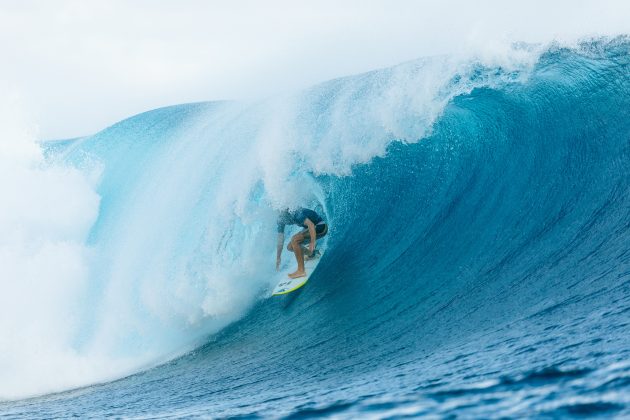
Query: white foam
x,y
45,214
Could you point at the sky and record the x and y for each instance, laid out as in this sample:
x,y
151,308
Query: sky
x,y
78,66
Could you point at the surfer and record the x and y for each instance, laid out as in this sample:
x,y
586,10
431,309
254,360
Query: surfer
x,y
315,228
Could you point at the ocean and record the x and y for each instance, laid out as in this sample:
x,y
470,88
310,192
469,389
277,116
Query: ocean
x,y
477,263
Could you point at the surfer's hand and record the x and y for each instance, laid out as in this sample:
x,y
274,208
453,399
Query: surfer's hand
x,y
278,264
311,248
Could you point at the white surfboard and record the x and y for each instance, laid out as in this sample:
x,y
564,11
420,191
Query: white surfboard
x,y
288,285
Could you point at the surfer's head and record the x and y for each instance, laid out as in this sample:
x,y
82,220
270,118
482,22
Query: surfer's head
x,y
284,215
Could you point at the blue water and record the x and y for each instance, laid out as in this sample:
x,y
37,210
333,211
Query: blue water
x,y
478,261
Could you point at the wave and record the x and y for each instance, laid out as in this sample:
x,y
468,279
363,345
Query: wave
x,y
462,195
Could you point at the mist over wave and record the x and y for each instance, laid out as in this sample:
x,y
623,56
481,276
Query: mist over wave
x,y
47,211
463,195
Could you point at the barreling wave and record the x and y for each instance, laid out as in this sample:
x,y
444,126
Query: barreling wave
x,y
467,200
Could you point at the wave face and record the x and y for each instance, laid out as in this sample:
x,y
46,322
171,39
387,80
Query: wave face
x,y
478,261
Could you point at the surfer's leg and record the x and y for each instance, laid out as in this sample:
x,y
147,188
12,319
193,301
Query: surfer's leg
x,y
320,231
296,241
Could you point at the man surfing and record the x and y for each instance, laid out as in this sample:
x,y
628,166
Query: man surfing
x,y
315,228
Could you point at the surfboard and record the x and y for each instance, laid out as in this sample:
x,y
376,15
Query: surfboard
x,y
288,285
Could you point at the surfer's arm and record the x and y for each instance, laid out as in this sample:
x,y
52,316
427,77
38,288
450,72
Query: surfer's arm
x,y
280,244
311,230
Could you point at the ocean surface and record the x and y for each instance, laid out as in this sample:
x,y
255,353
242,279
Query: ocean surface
x,y
477,263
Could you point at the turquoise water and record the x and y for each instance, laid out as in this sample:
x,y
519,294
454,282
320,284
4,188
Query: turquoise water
x,y
477,265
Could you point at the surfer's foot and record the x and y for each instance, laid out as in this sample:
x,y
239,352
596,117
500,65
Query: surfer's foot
x,y
297,274
314,255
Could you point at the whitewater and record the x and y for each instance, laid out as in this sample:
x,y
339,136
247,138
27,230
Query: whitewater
x,y
477,264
